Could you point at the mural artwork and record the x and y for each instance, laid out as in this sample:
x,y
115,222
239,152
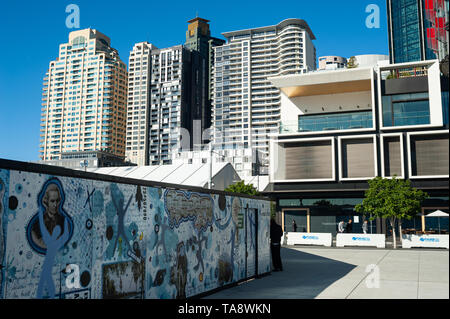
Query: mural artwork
x,y
123,241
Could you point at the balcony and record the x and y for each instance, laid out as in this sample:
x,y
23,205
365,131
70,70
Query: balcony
x,y
329,122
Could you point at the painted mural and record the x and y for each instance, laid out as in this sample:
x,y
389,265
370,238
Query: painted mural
x,y
71,238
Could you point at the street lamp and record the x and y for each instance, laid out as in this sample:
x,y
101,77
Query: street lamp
x,y
84,163
210,183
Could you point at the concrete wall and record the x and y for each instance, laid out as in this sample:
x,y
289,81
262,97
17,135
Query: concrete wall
x,y
124,240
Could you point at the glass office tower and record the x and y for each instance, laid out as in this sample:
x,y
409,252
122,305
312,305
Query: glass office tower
x,y
417,30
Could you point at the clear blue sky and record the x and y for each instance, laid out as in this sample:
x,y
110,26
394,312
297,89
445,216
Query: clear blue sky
x,y
31,32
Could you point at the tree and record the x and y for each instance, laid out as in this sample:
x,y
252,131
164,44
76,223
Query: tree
x,y
242,188
393,199
273,210
351,64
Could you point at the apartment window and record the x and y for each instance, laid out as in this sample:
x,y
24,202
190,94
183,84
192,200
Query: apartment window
x,y
406,109
335,121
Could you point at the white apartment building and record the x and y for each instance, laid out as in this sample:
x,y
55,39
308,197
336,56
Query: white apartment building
x,y
138,111
84,98
154,103
246,106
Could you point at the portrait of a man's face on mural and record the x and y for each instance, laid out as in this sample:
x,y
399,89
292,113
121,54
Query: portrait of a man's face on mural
x,y
52,217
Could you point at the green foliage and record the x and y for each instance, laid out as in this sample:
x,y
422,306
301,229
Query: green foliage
x,y
351,64
273,210
391,198
390,76
242,188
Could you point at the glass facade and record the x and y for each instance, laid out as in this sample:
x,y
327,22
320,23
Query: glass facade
x,y
435,14
405,31
300,218
445,103
325,215
406,109
418,30
335,121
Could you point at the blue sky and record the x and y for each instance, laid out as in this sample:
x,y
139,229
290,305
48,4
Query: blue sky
x,y
31,32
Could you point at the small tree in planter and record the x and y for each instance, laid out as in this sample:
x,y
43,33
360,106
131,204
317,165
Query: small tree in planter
x,y
393,199
242,188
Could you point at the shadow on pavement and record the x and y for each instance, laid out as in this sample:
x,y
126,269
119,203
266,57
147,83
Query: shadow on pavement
x,y
309,273
304,276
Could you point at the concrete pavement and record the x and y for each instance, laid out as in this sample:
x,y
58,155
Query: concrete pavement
x,y
351,273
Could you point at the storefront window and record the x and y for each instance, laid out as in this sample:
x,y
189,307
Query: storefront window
x,y
300,217
436,225
412,226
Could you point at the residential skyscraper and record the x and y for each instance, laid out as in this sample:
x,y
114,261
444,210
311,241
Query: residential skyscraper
x,y
417,30
167,92
246,106
198,38
84,98
138,111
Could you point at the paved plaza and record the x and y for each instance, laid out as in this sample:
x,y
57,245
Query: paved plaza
x,y
349,273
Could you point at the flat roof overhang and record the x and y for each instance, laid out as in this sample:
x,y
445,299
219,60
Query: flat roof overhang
x,y
345,189
325,82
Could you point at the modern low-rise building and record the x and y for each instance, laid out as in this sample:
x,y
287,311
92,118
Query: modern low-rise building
x,y
341,128
88,159
331,62
221,175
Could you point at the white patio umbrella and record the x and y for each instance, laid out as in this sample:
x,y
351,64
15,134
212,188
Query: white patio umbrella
x,y
439,214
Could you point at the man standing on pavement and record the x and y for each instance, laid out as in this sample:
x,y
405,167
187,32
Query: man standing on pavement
x,y
275,238
349,227
365,227
341,226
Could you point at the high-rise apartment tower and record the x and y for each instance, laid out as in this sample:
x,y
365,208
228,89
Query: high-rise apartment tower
x,y
246,106
84,98
167,92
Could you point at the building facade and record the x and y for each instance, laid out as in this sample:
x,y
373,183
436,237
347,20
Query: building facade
x,y
244,160
84,98
166,102
87,159
351,126
331,62
198,38
246,106
139,110
417,30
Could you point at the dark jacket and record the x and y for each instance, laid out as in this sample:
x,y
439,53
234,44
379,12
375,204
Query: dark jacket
x,y
349,228
275,233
